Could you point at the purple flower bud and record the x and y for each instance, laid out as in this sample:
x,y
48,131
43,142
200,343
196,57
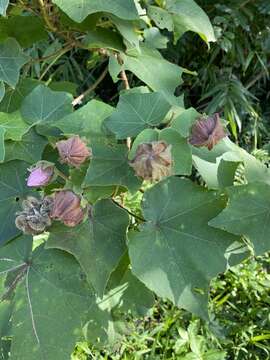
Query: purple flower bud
x,y
67,208
41,174
207,132
73,151
153,161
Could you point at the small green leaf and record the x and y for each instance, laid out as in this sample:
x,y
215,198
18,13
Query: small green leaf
x,y
101,238
45,105
78,11
188,252
136,112
248,213
11,60
109,166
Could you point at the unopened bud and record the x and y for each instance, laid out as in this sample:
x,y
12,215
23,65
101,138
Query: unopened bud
x,y
67,208
41,174
207,132
153,161
73,151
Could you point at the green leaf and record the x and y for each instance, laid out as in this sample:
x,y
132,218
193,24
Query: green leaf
x,y
128,30
183,122
136,112
181,152
14,125
13,97
12,189
248,213
11,60
103,38
188,252
147,64
29,149
136,298
51,306
188,16
154,38
33,29
101,238
2,90
45,105
86,121
3,7
79,10
161,17
2,144
109,166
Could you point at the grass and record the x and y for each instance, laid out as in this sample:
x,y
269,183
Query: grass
x,y
239,304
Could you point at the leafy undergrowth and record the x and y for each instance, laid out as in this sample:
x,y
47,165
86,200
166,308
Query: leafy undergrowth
x,y
240,300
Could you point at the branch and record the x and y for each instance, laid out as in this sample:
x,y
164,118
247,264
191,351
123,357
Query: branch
x,y
78,100
46,16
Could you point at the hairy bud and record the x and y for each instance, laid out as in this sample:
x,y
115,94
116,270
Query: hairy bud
x,y
207,132
73,151
34,218
67,208
153,161
41,174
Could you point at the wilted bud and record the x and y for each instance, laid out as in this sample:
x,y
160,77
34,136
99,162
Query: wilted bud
x,y
34,218
67,208
73,151
41,174
153,161
207,132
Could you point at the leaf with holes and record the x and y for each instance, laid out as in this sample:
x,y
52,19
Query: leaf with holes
x,y
79,10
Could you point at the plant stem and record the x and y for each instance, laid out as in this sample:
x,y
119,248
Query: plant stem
x,y
46,16
80,98
128,211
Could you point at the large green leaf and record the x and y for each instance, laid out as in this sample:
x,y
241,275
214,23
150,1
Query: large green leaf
x,y
45,105
176,251
29,149
136,112
79,10
3,7
188,16
12,189
51,306
162,18
11,60
158,73
109,166
86,121
248,213
98,244
14,125
33,29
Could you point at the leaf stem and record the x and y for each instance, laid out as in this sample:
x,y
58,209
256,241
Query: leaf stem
x,y
128,211
46,16
78,100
